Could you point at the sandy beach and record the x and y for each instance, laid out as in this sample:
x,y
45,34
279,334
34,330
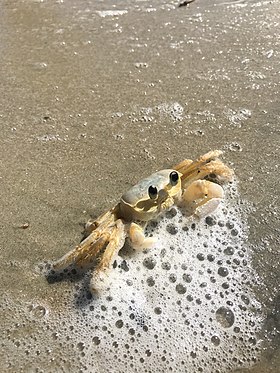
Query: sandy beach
x,y
94,96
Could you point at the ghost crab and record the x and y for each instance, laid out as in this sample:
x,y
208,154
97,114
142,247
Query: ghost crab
x,y
192,185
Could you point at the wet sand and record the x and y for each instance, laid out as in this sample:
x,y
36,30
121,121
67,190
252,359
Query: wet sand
x,y
91,101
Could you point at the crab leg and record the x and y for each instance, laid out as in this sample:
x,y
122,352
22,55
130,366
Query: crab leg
x,y
91,246
89,254
187,166
206,165
105,218
115,243
138,239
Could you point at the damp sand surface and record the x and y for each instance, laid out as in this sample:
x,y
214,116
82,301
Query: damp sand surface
x,y
94,95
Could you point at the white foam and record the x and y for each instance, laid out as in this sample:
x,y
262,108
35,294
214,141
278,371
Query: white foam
x,y
111,13
185,305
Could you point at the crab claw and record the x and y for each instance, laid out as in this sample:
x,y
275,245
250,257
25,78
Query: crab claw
x,y
202,197
138,239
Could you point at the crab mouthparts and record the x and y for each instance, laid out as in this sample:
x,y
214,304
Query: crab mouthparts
x,y
162,196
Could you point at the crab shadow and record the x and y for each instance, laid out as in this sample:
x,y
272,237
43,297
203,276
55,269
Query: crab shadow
x,y
80,278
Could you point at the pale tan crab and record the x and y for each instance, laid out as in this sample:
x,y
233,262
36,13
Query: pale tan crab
x,y
192,185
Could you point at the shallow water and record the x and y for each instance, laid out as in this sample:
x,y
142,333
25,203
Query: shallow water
x,y
93,100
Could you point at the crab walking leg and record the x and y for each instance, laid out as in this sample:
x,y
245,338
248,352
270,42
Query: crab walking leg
x,y
214,169
91,245
116,242
88,256
138,239
188,166
199,170
106,218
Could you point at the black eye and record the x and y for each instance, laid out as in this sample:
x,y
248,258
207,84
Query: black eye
x,y
152,192
174,177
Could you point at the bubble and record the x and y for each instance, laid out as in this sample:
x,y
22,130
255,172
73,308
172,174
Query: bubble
x,y
211,257
148,352
229,225
170,214
166,265
236,261
203,285
163,253
38,311
172,277
225,317
235,147
181,289
131,331
119,324
158,310
252,341
80,346
172,229
229,250
149,263
96,340
200,256
55,335
209,220
187,277
150,281
215,340
223,271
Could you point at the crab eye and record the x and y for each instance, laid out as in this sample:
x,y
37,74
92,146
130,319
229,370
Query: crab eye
x,y
152,192
174,177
